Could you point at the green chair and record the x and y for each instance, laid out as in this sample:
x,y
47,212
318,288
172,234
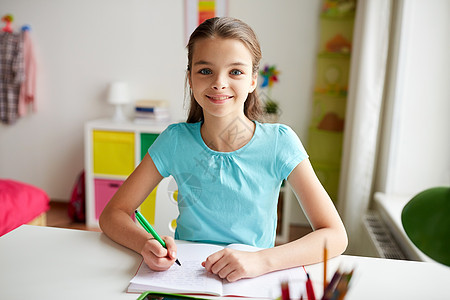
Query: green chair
x,y
426,220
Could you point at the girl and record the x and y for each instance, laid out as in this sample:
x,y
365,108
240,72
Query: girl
x,y
229,168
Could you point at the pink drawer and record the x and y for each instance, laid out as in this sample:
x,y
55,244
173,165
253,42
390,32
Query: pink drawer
x,y
104,190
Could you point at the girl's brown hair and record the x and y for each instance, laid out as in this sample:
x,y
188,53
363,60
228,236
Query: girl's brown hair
x,y
227,28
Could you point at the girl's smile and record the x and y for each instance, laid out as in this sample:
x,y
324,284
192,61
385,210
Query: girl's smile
x,y
219,99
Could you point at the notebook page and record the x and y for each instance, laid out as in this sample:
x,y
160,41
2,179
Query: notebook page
x,y
190,277
268,285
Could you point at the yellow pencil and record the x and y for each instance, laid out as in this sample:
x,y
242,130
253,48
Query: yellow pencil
x,y
325,256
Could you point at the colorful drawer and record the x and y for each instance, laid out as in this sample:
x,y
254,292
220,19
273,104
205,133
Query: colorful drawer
x,y
113,152
147,140
104,190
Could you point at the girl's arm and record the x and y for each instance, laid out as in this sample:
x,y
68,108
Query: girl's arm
x,y
116,222
324,219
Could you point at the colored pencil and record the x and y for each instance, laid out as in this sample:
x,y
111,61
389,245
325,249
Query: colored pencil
x,y
345,287
328,293
309,288
285,291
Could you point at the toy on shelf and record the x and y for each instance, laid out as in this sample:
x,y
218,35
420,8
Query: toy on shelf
x,y
338,44
338,8
331,122
26,27
332,74
271,106
337,23
328,112
270,75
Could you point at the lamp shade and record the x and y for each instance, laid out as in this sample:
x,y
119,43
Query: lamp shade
x,y
118,93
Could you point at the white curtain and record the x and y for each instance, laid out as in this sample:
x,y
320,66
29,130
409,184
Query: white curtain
x,y
364,103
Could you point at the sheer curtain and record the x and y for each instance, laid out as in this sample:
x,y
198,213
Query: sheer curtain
x,y
364,103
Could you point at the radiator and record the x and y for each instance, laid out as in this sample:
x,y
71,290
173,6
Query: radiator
x,y
383,241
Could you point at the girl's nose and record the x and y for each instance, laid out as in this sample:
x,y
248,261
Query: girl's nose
x,y
219,83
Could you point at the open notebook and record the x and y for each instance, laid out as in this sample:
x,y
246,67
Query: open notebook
x,y
192,278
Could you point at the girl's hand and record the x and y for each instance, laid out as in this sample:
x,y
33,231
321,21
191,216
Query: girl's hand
x,y
156,256
233,264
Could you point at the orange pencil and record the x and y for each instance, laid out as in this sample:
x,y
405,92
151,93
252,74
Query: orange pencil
x,y
325,258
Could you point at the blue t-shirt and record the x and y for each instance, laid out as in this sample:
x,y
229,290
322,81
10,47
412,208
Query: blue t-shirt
x,y
227,197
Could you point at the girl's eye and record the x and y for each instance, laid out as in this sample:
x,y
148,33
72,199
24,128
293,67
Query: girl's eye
x,y
205,71
235,72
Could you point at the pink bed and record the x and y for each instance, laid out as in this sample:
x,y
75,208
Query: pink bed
x,y
20,203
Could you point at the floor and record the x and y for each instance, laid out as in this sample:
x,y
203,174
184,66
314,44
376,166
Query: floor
x,y
57,216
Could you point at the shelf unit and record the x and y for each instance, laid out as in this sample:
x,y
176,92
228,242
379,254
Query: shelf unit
x,y
325,135
112,151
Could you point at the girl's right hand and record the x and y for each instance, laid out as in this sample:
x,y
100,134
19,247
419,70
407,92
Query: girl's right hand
x,y
156,256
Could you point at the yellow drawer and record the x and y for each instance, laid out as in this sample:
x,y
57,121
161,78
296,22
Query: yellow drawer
x,y
113,152
148,207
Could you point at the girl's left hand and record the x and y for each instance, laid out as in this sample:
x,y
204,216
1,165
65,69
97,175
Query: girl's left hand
x,y
234,264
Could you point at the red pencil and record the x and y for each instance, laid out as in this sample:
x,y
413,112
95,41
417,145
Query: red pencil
x,y
285,291
309,288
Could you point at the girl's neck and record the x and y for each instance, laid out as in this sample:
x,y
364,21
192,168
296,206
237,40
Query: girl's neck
x,y
227,134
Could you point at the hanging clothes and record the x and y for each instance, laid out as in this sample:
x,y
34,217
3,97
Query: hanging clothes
x,y
28,88
11,75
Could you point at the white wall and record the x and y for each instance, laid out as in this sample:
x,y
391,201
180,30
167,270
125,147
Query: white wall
x,y
83,45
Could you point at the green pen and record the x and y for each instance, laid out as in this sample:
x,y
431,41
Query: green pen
x,y
151,230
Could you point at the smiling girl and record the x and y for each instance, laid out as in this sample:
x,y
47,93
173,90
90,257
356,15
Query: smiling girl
x,y
229,168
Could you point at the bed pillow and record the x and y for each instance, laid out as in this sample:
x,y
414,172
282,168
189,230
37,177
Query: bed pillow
x,y
20,203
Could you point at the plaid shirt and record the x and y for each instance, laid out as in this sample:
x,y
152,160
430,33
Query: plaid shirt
x,y
11,75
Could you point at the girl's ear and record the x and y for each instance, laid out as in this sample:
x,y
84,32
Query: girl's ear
x,y
254,83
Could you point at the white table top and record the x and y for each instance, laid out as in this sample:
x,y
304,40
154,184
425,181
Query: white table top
x,y
47,263
52,263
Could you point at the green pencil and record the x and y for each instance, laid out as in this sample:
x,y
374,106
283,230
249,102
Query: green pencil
x,y
149,228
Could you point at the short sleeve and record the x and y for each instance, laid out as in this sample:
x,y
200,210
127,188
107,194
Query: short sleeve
x,y
162,150
289,152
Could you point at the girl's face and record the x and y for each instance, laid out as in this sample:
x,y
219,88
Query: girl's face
x,y
221,76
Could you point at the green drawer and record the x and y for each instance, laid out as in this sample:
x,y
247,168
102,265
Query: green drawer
x,y
147,140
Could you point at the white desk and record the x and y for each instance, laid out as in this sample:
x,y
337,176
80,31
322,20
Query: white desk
x,y
51,263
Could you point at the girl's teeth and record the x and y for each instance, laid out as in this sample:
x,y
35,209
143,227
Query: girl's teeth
x,y
219,98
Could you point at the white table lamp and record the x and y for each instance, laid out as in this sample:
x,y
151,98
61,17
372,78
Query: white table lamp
x,y
118,95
